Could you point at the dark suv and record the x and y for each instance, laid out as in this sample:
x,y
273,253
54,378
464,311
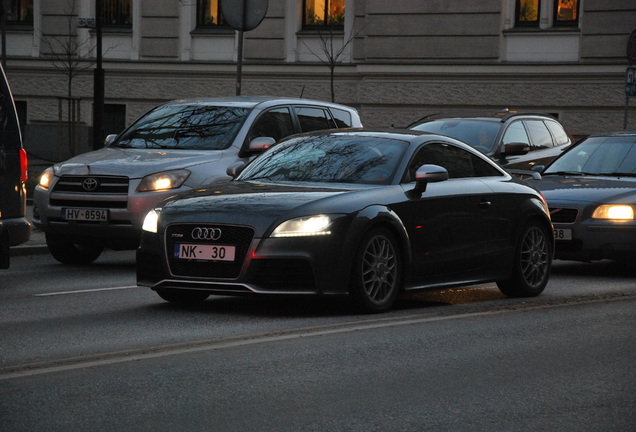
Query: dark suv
x,y
514,140
14,227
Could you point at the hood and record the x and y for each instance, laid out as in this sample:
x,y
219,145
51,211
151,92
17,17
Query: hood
x,y
259,204
134,163
587,188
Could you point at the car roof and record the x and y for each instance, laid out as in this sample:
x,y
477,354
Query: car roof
x,y
254,101
498,117
624,133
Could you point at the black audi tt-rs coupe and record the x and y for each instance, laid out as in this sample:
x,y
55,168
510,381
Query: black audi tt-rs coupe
x,y
363,214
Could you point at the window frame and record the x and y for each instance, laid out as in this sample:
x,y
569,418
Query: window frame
x,y
25,9
116,6
566,23
327,23
201,7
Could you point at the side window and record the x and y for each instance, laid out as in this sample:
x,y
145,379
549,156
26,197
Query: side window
x,y
342,118
539,134
516,133
313,118
560,136
458,162
275,123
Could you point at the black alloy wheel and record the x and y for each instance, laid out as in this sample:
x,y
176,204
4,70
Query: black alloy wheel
x,y
533,261
377,272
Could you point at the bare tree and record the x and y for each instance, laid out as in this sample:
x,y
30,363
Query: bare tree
x,y
328,53
70,55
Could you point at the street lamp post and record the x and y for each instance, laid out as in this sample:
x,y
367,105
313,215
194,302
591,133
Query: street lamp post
x,y
98,82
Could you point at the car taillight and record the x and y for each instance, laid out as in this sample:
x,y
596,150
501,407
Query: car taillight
x,y
24,166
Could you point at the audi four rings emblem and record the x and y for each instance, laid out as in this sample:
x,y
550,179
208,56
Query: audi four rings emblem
x,y
200,233
89,184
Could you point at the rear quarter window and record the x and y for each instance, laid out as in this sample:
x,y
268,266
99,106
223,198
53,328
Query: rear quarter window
x,y
342,118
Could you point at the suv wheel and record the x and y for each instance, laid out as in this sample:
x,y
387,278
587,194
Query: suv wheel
x,y
67,252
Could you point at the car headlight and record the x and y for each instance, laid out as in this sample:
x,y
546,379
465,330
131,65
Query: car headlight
x,y
151,221
614,212
305,226
46,178
163,180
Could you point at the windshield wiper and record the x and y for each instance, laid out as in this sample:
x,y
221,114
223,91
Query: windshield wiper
x,y
617,174
570,173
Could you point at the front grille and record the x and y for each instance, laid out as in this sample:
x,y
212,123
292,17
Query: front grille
x,y
90,192
282,274
103,184
563,215
239,236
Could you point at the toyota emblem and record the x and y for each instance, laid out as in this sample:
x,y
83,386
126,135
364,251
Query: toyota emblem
x,y
202,233
89,184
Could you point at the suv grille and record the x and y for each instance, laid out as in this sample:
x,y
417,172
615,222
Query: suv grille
x,y
90,191
563,215
231,235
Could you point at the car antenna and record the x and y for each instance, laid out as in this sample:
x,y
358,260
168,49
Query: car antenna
x,y
302,91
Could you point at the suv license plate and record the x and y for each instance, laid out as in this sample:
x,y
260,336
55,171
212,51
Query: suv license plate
x,y
562,234
81,214
204,252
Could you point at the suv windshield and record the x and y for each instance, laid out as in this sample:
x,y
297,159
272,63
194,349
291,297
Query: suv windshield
x,y
479,134
190,127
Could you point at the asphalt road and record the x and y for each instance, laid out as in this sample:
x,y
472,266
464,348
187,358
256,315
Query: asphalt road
x,y
84,349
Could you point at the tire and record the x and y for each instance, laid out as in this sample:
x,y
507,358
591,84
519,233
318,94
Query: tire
x,y
182,296
533,261
377,272
71,253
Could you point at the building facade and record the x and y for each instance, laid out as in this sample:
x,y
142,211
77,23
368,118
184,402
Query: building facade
x,y
395,61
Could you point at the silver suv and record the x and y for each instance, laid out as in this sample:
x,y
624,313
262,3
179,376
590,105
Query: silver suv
x,y
99,199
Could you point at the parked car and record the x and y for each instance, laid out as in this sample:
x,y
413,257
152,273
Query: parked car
x,y
591,192
15,228
515,140
99,199
363,213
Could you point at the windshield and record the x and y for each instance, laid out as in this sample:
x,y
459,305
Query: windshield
x,y
191,127
598,155
479,134
329,158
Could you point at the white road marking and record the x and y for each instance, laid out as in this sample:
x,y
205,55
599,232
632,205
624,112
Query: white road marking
x,y
86,291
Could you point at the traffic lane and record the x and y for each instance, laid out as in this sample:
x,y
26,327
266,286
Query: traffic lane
x,y
540,368
85,313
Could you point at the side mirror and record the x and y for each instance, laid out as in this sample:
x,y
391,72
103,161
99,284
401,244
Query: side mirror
x,y
515,149
109,139
261,144
429,174
235,169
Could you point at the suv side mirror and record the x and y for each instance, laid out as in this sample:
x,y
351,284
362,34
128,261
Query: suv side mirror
x,y
429,174
515,149
109,139
260,144
235,169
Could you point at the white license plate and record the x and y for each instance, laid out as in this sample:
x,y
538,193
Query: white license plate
x,y
562,234
81,214
204,252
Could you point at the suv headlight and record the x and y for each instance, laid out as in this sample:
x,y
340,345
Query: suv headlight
x,y
304,226
163,180
46,178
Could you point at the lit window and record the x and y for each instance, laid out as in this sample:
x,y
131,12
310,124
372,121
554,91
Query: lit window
x,y
117,13
527,13
209,14
566,12
323,13
20,12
